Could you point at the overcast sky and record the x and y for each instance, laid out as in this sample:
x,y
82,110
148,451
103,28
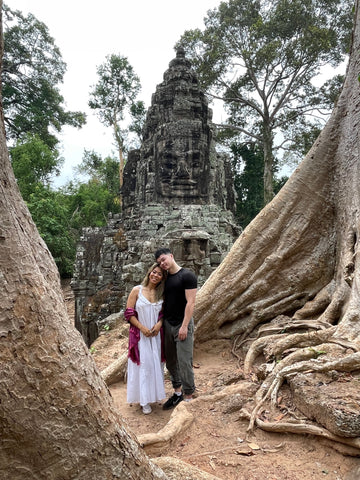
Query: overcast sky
x,y
86,31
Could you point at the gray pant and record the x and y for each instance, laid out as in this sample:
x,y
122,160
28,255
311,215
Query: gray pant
x,y
179,357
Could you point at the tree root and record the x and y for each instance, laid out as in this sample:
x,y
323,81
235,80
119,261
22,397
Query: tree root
x,y
345,364
115,372
286,326
181,419
298,356
277,344
319,304
309,339
300,428
175,469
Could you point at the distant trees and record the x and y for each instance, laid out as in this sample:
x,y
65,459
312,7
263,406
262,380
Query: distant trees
x,y
33,162
248,181
113,97
92,201
33,113
32,70
260,58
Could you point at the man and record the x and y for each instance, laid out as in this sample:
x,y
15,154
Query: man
x,y
179,303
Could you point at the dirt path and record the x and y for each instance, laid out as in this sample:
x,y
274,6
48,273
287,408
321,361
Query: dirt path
x,y
217,441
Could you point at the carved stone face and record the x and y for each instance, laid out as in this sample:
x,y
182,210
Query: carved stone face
x,y
182,168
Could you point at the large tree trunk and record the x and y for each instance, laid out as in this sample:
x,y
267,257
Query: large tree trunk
x,y
298,257
296,265
57,416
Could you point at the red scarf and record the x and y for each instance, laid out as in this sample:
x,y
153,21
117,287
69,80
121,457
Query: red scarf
x,y
134,337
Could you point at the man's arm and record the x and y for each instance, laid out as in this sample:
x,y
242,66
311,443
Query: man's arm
x,y
188,313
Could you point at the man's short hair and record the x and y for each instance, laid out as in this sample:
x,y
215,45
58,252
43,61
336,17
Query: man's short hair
x,y
162,251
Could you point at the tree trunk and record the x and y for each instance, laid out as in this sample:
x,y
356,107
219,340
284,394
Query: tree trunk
x,y
57,416
119,143
268,144
298,257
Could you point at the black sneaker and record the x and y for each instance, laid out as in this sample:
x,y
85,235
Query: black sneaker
x,y
173,401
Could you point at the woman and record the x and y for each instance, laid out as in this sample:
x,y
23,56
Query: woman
x,y
145,374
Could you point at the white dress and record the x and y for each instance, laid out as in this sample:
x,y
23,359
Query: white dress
x,y
145,382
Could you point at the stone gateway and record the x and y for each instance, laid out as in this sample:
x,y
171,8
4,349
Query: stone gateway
x,y
177,192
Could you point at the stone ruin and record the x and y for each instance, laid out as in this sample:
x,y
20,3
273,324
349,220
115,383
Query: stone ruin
x,y
177,192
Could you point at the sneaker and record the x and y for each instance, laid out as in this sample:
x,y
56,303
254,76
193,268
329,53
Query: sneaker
x,y
173,401
146,409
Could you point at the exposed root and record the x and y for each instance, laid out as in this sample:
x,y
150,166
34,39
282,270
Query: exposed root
x,y
345,364
287,325
257,348
180,419
333,312
300,355
314,307
277,344
301,340
116,371
175,469
287,427
270,390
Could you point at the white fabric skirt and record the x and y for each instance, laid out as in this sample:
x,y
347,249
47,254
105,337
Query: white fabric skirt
x,y
145,382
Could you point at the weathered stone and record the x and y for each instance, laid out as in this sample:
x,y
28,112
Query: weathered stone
x,y
317,396
177,192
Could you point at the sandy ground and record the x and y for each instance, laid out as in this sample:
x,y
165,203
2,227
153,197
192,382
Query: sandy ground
x,y
217,440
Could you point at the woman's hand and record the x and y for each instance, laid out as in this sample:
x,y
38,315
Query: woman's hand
x,y
144,330
156,329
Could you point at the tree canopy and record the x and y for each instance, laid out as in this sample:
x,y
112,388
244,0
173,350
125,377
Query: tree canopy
x,y
261,58
32,70
114,96
33,163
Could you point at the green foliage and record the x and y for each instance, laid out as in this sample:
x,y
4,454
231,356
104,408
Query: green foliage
x,y
32,70
260,58
60,215
90,203
106,171
51,215
115,95
33,108
249,168
248,165
138,115
33,163
94,200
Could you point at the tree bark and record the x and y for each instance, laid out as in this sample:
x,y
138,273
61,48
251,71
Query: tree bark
x,y
268,145
299,256
58,420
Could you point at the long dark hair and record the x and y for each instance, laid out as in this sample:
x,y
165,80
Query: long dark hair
x,y
159,290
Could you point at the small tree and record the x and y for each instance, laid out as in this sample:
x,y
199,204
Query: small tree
x,y
115,95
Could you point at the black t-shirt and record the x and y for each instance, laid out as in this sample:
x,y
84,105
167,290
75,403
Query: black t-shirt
x,y
175,300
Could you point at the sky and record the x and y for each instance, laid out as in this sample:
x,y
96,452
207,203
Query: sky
x,y
86,31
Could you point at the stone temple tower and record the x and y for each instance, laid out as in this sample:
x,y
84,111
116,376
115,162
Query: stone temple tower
x,y
177,192
177,163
